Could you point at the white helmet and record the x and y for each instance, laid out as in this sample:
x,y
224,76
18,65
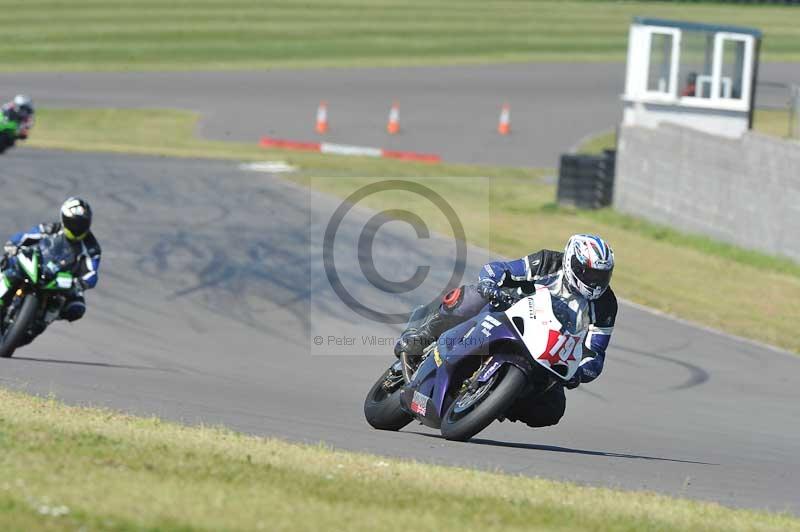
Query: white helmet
x,y
23,104
588,265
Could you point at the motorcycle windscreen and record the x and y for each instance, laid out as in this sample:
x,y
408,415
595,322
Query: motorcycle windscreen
x,y
57,256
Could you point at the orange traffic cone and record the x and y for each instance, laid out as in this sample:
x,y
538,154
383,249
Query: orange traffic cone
x,y
504,127
393,126
322,118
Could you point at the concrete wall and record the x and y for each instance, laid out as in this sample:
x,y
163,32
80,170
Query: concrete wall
x,y
744,191
723,122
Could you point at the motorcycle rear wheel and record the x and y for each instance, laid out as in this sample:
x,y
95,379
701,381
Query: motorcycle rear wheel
x,y
474,410
22,322
382,409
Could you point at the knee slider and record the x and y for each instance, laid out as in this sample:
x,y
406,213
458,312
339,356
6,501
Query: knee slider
x,y
73,310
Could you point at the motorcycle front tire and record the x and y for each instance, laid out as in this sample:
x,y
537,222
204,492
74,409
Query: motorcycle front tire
x,y
6,141
463,425
383,410
19,328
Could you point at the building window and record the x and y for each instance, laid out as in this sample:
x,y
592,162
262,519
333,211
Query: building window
x,y
732,69
696,64
660,69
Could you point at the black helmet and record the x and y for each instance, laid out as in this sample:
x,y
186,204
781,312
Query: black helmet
x,y
76,218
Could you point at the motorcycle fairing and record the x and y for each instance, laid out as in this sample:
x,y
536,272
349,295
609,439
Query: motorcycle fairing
x,y
62,281
433,377
416,397
29,265
531,321
557,348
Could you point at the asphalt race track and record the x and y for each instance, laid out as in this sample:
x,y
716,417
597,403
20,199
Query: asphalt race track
x,y
451,111
208,296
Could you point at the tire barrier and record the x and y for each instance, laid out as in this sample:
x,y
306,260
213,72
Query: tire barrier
x,y
586,181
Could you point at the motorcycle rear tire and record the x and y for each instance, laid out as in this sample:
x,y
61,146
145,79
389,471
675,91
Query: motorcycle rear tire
x,y
382,409
19,328
500,397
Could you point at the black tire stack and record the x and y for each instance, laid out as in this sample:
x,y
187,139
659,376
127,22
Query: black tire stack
x,y
586,181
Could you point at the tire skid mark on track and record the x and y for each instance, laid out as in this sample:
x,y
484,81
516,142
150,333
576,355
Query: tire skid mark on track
x,y
92,364
697,375
117,198
596,395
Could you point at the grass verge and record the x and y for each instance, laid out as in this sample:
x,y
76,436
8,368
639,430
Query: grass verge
x,y
692,277
216,35
71,468
173,133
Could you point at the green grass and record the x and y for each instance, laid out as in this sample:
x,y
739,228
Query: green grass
x,y
71,468
688,276
773,122
245,34
594,145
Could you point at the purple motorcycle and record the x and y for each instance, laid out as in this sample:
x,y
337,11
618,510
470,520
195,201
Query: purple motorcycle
x,y
476,371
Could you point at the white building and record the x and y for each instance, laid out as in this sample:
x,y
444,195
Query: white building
x,y
696,75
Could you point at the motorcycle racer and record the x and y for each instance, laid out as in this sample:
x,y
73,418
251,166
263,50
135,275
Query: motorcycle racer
x,y
583,269
75,224
20,110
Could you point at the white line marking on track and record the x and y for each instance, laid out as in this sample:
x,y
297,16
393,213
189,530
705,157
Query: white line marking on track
x,y
272,167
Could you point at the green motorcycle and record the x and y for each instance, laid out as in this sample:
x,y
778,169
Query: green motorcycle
x,y
10,132
46,269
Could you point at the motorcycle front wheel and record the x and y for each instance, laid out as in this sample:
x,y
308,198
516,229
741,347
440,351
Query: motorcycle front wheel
x,y
475,408
18,325
6,141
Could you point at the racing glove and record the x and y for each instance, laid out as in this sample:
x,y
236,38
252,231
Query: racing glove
x,y
574,382
10,249
498,297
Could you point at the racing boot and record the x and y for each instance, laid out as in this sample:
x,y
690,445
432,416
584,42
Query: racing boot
x,y
423,329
